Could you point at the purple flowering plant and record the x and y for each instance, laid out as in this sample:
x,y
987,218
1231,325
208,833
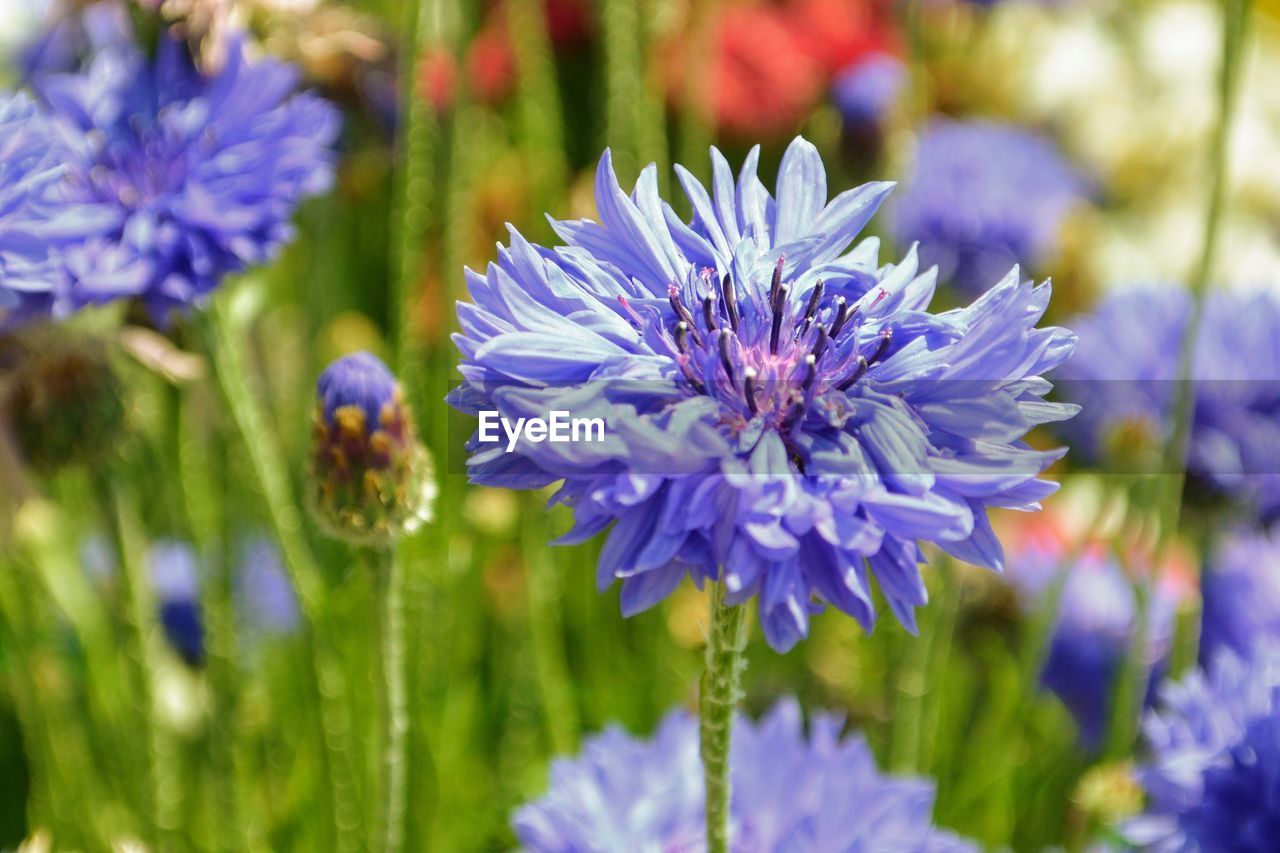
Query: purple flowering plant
x,y
1124,376
1241,592
1213,779
782,411
792,791
983,196
31,213
1095,588
175,176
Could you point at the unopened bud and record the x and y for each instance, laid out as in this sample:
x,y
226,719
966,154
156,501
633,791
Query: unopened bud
x,y
371,477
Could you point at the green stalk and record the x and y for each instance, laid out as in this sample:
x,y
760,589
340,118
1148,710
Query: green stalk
x,y
413,207
267,461
1132,680
52,789
233,832
546,630
541,115
721,688
395,699
914,737
624,76
696,132
162,788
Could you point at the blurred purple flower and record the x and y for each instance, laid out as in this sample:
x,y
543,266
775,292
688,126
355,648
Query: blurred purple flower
x,y
865,91
773,404
265,595
790,792
75,36
1124,373
1241,591
182,178
984,196
1095,621
1213,781
176,578
33,220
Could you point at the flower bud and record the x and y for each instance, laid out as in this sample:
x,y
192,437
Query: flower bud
x,y
62,401
371,478
175,575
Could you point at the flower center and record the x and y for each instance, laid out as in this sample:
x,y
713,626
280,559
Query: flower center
x,y
138,161
771,364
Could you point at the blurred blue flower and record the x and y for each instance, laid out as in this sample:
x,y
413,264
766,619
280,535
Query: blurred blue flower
x,y
790,792
76,34
984,196
33,220
182,177
1095,621
1124,373
1241,592
264,593
1213,781
773,403
176,578
865,91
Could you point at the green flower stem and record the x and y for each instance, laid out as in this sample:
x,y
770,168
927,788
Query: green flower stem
x,y
698,99
389,583
541,115
50,785
546,631
233,832
162,788
1131,684
721,687
267,461
624,84
413,208
916,707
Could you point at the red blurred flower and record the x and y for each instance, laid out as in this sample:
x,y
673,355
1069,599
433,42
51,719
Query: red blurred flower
x,y
771,61
438,77
569,22
764,82
490,59
841,33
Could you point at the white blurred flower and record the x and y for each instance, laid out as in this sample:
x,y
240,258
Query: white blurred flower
x,y
1131,89
1179,42
20,20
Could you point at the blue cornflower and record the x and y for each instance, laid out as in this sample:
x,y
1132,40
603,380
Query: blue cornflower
x,y
1241,592
74,36
176,578
773,404
790,792
1124,371
264,594
371,477
184,176
1097,614
984,196
1213,781
866,90
33,220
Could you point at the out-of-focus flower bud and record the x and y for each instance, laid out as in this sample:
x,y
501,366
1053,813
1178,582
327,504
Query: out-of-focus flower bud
x,y
176,577
371,477
61,400
1109,793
